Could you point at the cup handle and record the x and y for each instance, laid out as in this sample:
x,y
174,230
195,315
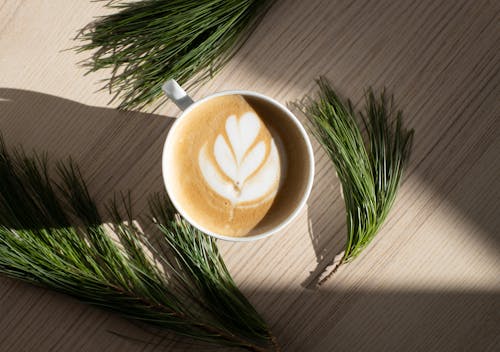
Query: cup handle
x,y
178,95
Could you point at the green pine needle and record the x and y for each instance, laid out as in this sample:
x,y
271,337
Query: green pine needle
x,y
149,41
52,234
370,173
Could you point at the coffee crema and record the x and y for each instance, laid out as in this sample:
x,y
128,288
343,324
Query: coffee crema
x,y
226,165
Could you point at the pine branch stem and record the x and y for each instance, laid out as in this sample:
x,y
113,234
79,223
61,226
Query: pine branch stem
x,y
331,269
232,338
274,341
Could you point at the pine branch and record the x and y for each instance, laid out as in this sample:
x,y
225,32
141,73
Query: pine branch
x,y
183,287
147,42
370,173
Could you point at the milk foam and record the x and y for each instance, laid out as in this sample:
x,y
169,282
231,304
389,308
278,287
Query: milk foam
x,y
253,170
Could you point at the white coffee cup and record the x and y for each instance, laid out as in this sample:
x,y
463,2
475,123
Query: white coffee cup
x,y
185,103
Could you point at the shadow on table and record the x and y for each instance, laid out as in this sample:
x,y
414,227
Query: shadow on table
x,y
116,151
326,219
321,320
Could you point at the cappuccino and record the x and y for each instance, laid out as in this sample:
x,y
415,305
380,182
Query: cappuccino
x,y
231,162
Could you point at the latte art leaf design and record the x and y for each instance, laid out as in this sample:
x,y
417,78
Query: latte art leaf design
x,y
243,160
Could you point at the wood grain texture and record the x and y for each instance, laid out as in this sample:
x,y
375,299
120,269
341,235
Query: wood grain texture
x,y
430,281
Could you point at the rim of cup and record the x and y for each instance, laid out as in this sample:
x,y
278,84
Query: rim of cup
x,y
305,195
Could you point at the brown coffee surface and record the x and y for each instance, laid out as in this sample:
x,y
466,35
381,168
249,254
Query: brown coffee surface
x,y
229,165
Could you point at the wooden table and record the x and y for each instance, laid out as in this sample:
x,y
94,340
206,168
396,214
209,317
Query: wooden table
x,y
430,281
